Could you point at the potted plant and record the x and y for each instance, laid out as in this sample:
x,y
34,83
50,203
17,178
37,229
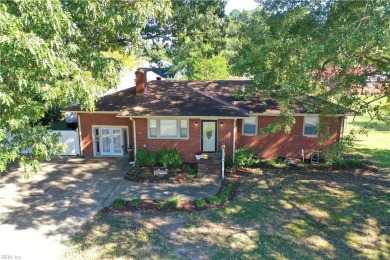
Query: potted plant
x,y
198,153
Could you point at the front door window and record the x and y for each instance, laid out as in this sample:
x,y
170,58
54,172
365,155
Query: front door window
x,y
209,136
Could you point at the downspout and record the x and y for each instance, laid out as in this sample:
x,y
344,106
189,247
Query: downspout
x,y
234,137
134,137
79,131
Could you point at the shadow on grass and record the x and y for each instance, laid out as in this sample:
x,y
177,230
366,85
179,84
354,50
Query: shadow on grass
x,y
379,157
278,214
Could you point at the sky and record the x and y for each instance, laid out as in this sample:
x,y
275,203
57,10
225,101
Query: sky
x,y
240,5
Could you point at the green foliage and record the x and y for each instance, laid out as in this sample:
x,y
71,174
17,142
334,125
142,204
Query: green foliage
x,y
53,54
160,204
200,203
164,157
152,158
195,32
172,203
226,191
170,157
245,157
189,170
353,163
145,157
174,158
294,49
142,157
214,68
118,204
135,202
214,200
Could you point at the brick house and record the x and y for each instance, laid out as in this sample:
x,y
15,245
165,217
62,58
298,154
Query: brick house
x,y
195,115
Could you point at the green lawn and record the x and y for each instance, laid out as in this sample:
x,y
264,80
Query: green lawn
x,y
278,214
375,145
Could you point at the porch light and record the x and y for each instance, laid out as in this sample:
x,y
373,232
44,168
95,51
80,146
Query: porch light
x,y
196,123
221,123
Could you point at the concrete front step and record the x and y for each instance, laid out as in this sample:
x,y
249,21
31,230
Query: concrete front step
x,y
209,161
202,174
208,167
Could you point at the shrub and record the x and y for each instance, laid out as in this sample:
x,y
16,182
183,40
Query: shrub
x,y
152,158
245,157
170,157
354,163
142,157
200,203
214,200
164,157
160,205
118,204
135,202
174,158
172,203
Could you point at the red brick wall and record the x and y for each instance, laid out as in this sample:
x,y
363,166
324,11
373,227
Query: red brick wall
x,y
89,119
269,146
286,145
186,147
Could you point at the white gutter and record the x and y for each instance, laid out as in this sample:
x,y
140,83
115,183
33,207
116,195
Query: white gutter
x,y
234,137
134,137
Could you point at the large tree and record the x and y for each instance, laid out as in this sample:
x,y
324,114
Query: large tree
x,y
324,48
54,52
193,35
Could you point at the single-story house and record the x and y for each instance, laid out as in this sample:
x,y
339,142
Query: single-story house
x,y
195,115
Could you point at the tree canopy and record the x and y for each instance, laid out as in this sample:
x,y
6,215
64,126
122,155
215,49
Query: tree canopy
x,y
193,36
325,48
54,52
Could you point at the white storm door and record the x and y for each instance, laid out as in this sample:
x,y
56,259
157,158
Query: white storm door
x,y
209,136
111,141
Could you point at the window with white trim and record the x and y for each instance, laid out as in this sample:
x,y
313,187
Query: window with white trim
x,y
310,126
249,126
168,128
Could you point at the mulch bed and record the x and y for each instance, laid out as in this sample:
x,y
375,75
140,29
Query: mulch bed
x,y
184,205
145,175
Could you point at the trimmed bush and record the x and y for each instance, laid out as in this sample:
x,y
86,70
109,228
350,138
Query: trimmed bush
x,y
118,204
160,205
135,202
200,203
142,157
214,200
164,157
245,157
152,158
174,158
172,203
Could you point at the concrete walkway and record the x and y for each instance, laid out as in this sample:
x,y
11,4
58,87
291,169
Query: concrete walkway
x,y
39,216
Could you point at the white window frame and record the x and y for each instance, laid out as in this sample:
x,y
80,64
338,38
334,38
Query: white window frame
x,y
304,123
256,124
99,127
178,128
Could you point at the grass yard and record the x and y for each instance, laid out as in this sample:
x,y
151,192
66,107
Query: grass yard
x,y
278,214
376,145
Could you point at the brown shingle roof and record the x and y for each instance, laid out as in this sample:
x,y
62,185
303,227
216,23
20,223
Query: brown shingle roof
x,y
189,98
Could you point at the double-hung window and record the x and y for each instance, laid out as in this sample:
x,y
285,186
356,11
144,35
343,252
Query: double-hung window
x,y
310,125
249,126
168,128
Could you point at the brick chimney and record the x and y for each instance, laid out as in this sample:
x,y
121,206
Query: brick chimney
x,y
140,82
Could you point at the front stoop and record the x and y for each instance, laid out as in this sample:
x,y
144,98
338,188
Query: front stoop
x,y
209,165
